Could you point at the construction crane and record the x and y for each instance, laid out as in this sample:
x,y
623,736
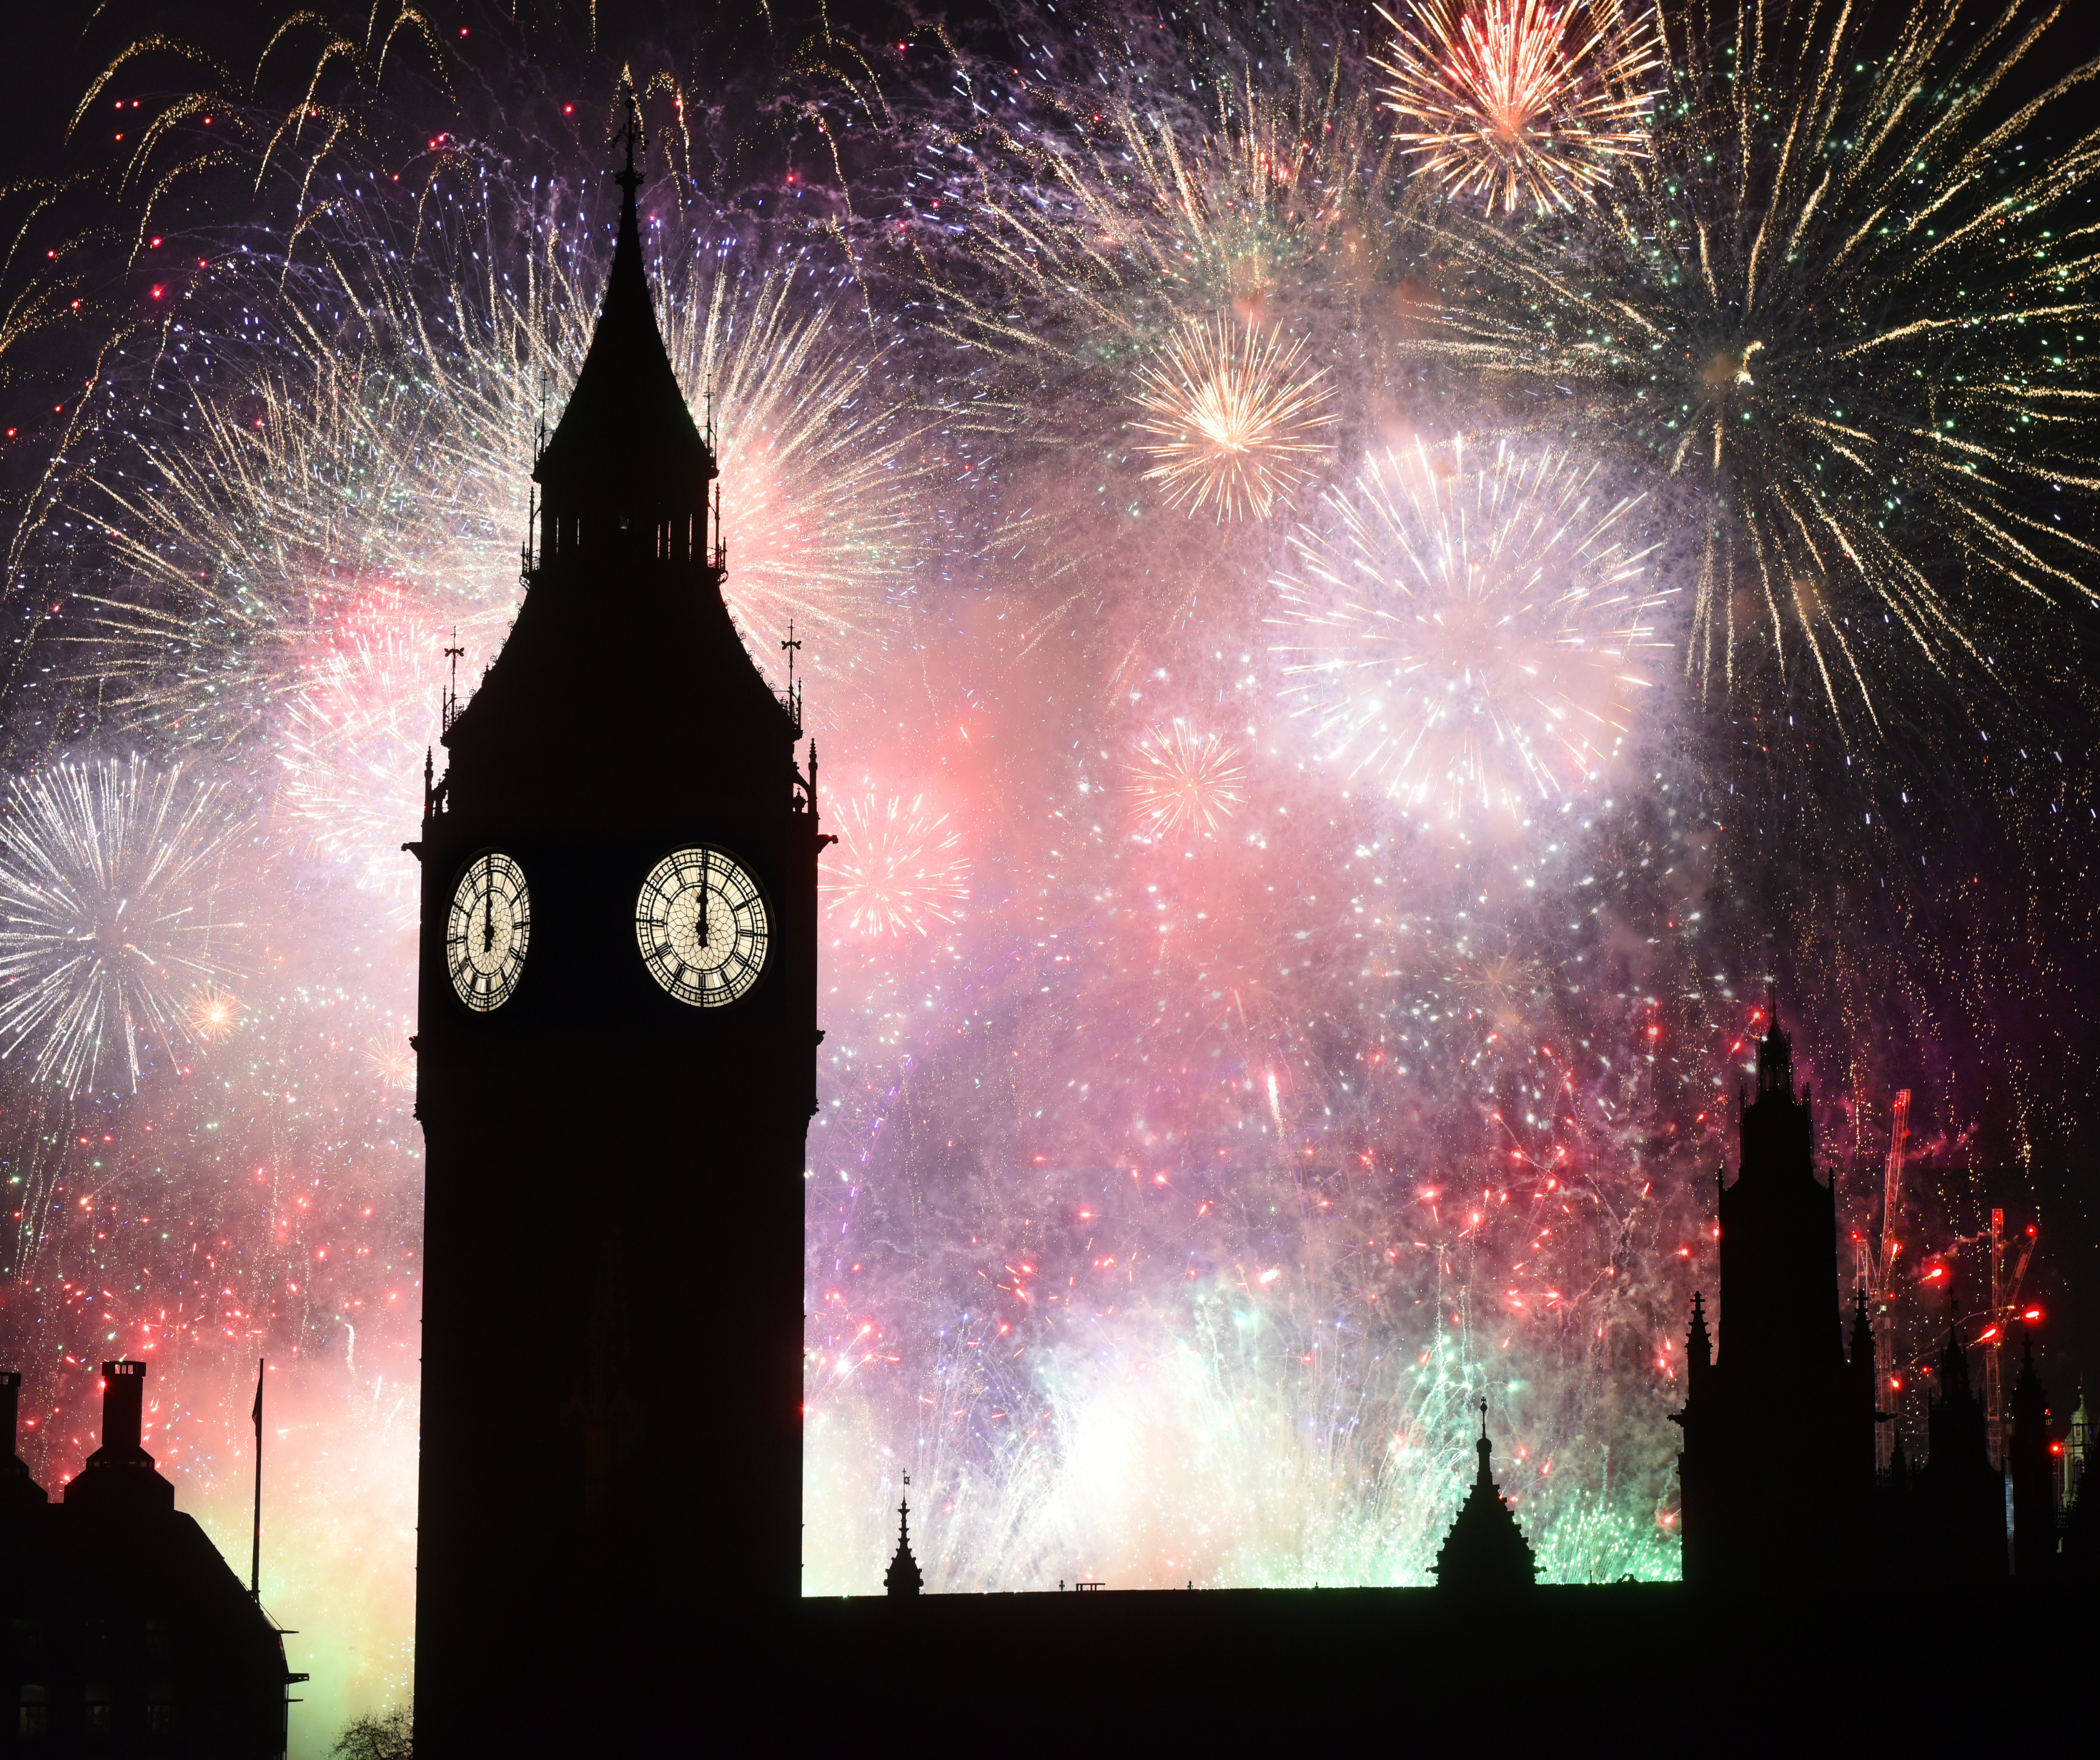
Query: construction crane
x,y
2005,1309
1996,1319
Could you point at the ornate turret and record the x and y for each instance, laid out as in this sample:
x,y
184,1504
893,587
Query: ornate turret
x,y
1485,1553
903,1578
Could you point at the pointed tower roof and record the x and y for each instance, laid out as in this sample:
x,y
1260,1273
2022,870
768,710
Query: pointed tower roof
x,y
903,1578
627,432
1485,1553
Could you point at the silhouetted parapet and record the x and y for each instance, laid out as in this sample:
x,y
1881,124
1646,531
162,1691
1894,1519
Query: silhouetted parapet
x,y
903,1578
1485,1553
18,1490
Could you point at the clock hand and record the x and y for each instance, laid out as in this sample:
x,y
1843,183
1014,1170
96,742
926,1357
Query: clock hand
x,y
702,925
488,922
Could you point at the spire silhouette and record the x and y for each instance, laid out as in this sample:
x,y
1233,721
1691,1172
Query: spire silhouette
x,y
904,1578
1485,1553
626,438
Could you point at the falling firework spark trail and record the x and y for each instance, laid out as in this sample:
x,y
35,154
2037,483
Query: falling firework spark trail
x,y
1186,780
111,873
1235,419
899,867
1522,102
1473,632
1838,303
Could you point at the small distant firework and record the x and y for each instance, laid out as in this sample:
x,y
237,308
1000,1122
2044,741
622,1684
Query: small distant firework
x,y
1842,305
354,738
213,1013
390,1059
899,866
1470,633
1522,102
1187,781
1235,418
110,874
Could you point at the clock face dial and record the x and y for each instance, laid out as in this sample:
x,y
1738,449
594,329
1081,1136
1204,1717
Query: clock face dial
x,y
703,927
486,930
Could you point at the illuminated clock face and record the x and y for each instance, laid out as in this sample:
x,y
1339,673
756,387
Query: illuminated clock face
x,y
702,928
486,931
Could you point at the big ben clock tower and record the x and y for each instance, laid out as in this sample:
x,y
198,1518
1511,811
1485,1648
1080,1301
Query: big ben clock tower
x,y
616,1067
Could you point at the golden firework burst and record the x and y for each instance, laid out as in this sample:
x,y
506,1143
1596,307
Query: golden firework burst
x,y
1236,417
1187,781
1523,102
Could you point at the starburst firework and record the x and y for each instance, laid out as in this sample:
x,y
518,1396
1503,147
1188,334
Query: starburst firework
x,y
1236,417
899,866
213,1013
110,876
1838,303
401,451
1469,634
1186,780
1522,102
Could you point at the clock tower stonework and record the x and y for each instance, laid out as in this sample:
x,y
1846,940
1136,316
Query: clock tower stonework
x,y
616,1068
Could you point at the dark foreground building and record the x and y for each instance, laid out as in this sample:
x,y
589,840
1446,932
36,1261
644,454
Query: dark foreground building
x,y
1780,1490
616,1064
125,1633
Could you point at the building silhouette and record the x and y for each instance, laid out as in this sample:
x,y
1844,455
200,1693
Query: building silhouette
x,y
1485,1555
616,1067
124,1631
903,1578
2032,1471
1777,1476
1776,1473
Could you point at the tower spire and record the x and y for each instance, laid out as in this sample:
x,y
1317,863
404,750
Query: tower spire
x,y
904,1578
626,446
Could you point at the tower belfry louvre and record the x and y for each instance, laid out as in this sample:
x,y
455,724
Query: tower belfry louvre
x,y
616,1067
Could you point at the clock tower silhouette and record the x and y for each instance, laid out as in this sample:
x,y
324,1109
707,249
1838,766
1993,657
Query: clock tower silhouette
x,y
616,1068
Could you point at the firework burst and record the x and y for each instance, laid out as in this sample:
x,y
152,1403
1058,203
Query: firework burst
x,y
899,867
1235,418
110,876
1186,780
1523,103
214,1014
399,448
1469,634
1839,303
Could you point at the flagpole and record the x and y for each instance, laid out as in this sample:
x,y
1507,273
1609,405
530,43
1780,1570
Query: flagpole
x,y
255,1556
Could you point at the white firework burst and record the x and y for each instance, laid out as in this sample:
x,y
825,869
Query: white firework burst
x,y
110,873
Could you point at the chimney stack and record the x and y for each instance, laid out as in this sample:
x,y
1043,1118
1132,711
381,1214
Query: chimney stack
x,y
119,1474
16,1487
